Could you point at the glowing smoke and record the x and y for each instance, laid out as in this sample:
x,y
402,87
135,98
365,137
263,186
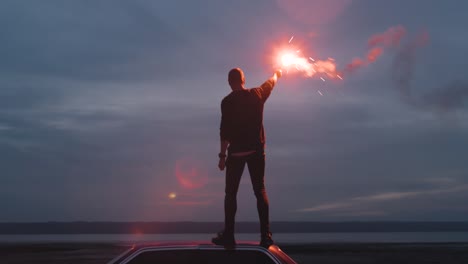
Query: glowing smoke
x,y
390,38
377,44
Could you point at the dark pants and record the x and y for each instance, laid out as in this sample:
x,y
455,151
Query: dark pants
x,y
234,169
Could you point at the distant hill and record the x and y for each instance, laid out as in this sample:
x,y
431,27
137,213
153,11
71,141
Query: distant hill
x,y
211,227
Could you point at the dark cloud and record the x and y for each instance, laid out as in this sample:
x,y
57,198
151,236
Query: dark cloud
x,y
87,40
448,97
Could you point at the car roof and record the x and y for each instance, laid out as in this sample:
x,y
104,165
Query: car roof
x,y
241,245
186,244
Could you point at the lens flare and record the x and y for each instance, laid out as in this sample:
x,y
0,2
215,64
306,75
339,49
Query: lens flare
x,y
190,173
172,195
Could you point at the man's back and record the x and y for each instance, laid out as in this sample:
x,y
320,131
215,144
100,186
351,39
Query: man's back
x,y
242,118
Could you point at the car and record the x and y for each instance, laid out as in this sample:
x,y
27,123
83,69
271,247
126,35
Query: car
x,y
202,253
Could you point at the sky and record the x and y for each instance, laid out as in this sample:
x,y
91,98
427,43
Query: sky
x,y
110,110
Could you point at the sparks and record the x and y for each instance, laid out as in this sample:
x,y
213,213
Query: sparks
x,y
319,92
322,78
291,39
339,77
310,58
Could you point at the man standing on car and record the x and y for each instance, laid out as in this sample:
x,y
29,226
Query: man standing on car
x,y
243,136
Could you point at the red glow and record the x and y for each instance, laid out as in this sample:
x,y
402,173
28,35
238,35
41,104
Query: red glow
x,y
190,174
389,38
374,54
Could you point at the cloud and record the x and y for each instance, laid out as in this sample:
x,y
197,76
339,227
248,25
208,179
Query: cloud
x,y
313,12
446,98
361,214
327,207
4,127
441,180
365,201
106,40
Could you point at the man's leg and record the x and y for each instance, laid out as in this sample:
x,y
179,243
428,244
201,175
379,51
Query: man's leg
x,y
234,169
256,165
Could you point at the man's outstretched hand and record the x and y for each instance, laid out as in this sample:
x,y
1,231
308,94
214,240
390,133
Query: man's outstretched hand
x,y
278,73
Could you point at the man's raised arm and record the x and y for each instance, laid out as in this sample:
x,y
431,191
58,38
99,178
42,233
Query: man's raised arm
x,y
265,89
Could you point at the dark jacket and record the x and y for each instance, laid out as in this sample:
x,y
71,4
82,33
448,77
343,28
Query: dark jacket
x,y
242,118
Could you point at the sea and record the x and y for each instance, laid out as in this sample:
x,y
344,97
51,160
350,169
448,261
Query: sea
x,y
280,238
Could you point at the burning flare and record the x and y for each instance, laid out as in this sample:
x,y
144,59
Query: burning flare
x,y
290,60
452,96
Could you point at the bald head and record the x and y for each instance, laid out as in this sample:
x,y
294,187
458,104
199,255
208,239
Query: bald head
x,y
236,78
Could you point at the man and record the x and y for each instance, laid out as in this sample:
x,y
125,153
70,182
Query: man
x,y
243,136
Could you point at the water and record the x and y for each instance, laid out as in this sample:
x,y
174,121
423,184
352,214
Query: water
x,y
280,238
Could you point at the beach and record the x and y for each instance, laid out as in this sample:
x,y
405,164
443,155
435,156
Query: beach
x,y
381,253
313,253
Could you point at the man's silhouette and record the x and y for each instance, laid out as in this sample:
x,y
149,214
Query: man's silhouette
x,y
243,136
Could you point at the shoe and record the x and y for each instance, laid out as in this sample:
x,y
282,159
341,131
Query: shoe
x,y
266,241
224,240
